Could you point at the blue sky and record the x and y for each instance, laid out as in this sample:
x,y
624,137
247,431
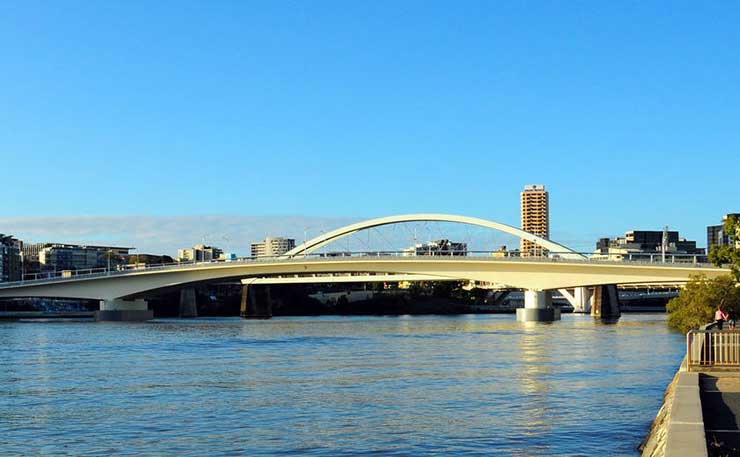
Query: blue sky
x,y
629,112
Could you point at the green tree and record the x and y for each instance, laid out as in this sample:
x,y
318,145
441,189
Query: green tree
x,y
696,303
721,255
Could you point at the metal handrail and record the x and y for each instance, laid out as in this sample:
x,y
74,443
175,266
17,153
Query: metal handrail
x,y
710,348
340,256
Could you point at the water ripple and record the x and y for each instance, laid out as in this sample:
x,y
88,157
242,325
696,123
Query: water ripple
x,y
468,385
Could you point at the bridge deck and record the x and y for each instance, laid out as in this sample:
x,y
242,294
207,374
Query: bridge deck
x,y
535,274
133,270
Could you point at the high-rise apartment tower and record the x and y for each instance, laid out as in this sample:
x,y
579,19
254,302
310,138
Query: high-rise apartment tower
x,y
535,207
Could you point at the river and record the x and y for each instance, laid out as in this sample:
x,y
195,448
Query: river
x,y
407,385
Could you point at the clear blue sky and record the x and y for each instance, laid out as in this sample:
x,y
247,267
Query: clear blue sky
x,y
628,111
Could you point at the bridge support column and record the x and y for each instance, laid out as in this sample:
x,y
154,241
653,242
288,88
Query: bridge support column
x,y
580,299
583,298
116,309
605,303
188,305
252,306
537,307
499,298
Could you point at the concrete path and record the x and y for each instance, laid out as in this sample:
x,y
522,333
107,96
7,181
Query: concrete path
x,y
720,401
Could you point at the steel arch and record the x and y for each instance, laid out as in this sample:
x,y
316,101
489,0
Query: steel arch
x,y
322,240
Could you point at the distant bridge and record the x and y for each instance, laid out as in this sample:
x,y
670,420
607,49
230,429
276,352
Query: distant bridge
x,y
581,280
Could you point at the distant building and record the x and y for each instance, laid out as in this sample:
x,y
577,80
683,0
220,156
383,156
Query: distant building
x,y
716,235
199,253
637,244
535,217
438,247
30,253
148,259
272,246
10,258
502,252
60,256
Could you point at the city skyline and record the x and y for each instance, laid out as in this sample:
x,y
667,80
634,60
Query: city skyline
x,y
235,233
344,112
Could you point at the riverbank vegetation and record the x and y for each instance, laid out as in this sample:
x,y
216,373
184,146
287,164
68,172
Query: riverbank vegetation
x,y
728,255
696,303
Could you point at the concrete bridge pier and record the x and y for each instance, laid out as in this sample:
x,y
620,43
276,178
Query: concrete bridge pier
x,y
254,306
537,307
605,302
116,309
498,298
580,299
188,304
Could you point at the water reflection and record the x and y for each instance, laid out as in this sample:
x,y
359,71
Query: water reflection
x,y
334,385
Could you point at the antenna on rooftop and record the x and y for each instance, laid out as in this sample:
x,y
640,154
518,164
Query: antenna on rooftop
x,y
664,244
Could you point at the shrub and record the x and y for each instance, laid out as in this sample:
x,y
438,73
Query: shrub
x,y
696,303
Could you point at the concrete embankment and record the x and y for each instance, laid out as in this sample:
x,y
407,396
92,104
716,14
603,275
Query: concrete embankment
x,y
678,429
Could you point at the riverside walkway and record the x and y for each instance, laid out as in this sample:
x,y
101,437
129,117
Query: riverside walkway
x,y
700,415
720,404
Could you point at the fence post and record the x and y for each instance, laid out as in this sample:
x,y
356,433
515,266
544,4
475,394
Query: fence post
x,y
688,351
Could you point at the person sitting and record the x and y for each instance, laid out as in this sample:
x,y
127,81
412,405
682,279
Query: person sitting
x,y
731,318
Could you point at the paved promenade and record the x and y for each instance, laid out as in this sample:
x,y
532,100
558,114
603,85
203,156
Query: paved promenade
x,y
720,400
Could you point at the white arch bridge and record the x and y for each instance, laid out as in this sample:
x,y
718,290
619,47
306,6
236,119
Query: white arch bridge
x,y
122,293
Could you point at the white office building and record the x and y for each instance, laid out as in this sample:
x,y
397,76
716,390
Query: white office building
x,y
272,246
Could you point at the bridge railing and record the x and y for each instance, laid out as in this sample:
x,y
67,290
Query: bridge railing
x,y
712,349
677,260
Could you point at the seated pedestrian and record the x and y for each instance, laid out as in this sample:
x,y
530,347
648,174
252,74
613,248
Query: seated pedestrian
x,y
731,318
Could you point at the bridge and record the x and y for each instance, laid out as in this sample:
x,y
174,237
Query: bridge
x,y
581,280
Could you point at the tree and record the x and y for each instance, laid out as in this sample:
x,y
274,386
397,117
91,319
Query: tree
x,y
696,303
728,255
149,259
